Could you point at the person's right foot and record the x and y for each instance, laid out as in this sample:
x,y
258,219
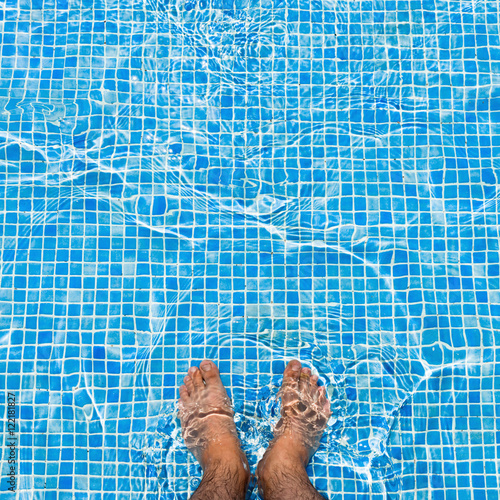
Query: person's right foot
x,y
305,411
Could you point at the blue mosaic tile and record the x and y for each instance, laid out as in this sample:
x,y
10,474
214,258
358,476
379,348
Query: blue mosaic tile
x,y
250,182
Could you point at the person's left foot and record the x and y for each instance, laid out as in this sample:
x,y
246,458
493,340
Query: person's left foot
x,y
207,421
305,411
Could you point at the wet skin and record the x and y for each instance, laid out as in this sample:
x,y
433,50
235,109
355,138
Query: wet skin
x,y
305,411
206,416
210,434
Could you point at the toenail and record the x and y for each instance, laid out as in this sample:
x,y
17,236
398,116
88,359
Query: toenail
x,y
192,370
295,368
206,367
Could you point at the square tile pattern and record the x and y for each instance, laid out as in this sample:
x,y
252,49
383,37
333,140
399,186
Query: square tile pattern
x,y
251,181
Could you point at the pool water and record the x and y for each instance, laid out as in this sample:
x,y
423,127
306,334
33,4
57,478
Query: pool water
x,y
250,181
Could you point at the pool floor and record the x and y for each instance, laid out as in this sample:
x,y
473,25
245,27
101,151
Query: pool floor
x,y
250,181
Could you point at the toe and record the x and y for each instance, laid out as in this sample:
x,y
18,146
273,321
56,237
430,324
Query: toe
x,y
292,373
323,400
290,386
184,394
188,382
305,381
314,384
195,374
210,373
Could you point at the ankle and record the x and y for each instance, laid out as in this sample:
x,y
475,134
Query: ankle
x,y
234,463
223,451
285,461
235,466
286,449
229,475
276,478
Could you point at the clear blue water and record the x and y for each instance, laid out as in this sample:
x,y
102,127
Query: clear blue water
x,y
251,181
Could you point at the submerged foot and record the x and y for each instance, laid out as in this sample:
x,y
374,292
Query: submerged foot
x,y
305,411
207,421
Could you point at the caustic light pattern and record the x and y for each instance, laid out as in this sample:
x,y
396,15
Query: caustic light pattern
x,y
250,181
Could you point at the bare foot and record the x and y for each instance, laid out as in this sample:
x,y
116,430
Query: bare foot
x,y
305,411
207,421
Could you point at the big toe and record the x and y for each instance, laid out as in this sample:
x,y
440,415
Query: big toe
x,y
210,373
